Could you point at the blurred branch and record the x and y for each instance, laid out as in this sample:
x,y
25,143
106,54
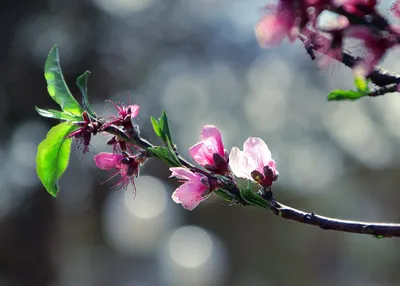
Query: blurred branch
x,y
379,76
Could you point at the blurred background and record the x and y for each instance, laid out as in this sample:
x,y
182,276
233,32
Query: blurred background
x,y
198,60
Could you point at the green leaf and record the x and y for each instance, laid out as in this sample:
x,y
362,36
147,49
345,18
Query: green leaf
x,y
53,155
56,85
156,126
345,95
164,154
161,128
172,151
163,123
81,82
225,195
51,113
249,196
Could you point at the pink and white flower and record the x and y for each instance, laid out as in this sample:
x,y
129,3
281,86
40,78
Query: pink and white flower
x,y
210,152
254,162
193,191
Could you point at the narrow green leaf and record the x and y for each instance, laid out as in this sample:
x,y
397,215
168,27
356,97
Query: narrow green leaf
x,y
56,85
53,156
156,126
253,199
81,82
56,114
164,126
345,95
224,195
164,154
172,152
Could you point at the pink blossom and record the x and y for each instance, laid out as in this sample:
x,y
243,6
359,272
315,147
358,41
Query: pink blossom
x,y
193,191
84,134
254,162
124,118
287,19
210,152
274,27
120,164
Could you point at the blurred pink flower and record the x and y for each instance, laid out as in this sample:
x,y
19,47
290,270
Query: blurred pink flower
x,y
395,9
274,27
122,164
210,152
193,191
254,162
375,45
330,48
287,18
357,7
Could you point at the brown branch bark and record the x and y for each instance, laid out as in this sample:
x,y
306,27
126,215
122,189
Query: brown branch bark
x,y
326,223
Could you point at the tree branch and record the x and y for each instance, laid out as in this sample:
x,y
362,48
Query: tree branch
x,y
326,223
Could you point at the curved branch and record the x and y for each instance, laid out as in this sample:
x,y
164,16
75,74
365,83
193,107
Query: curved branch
x,y
326,223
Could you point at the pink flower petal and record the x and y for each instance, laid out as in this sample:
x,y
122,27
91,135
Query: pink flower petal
x,y
190,195
211,143
213,133
134,109
257,150
198,154
270,32
255,156
107,161
187,175
236,164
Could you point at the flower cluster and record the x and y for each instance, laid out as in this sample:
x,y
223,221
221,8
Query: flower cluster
x,y
358,19
254,163
126,157
86,129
